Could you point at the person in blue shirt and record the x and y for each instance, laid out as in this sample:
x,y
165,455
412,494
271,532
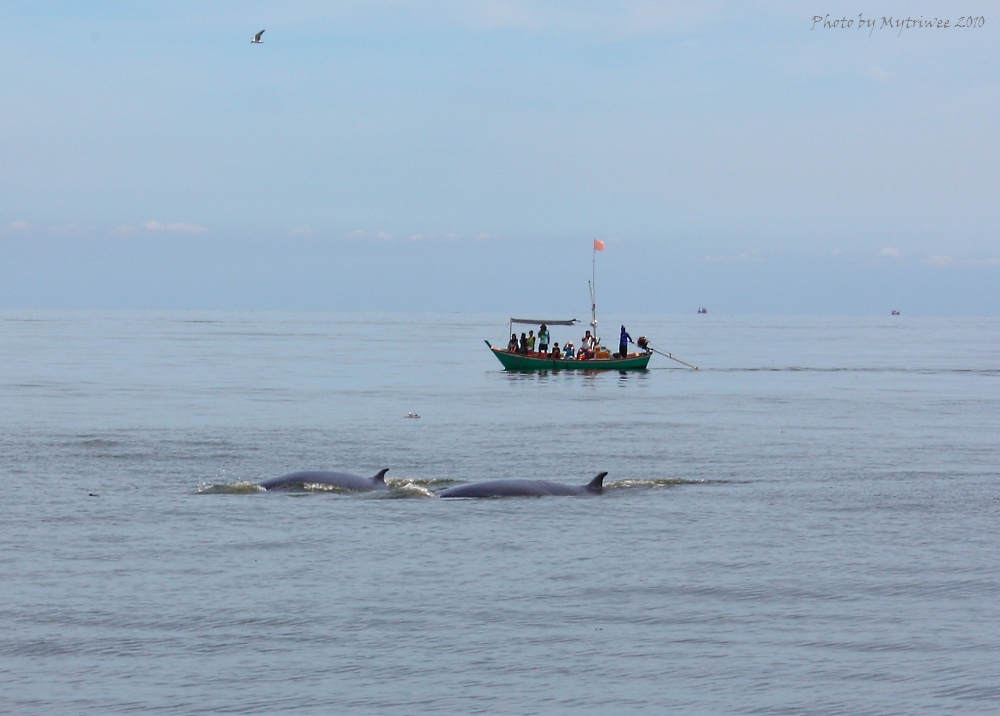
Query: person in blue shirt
x,y
623,340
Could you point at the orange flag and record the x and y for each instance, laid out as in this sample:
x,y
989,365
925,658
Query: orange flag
x,y
598,245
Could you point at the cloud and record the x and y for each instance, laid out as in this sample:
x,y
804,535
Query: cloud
x,y
17,226
940,261
889,252
301,231
177,227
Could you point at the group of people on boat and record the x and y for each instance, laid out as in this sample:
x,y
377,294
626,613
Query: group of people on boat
x,y
589,345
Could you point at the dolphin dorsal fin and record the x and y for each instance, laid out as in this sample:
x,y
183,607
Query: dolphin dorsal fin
x,y
597,484
380,477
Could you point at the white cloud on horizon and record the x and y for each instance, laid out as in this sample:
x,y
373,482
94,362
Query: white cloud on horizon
x,y
18,226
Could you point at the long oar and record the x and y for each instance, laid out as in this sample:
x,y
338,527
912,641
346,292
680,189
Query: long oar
x,y
667,355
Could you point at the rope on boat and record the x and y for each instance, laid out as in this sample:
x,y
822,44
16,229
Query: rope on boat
x,y
643,343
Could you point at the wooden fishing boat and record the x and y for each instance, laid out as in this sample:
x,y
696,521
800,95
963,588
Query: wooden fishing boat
x,y
601,358
602,361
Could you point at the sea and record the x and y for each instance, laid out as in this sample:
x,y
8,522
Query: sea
x,y
809,523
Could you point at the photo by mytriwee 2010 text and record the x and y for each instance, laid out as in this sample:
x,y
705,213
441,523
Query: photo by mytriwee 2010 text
x,y
889,22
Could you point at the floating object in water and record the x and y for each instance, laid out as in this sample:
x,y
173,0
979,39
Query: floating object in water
x,y
411,414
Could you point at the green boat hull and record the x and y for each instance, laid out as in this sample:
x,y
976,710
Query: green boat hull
x,y
519,361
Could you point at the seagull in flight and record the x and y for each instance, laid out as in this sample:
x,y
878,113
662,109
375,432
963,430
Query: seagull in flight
x,y
256,39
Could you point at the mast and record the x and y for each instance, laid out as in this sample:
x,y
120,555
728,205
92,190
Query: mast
x,y
598,246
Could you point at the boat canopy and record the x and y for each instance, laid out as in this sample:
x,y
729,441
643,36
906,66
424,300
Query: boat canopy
x,y
570,322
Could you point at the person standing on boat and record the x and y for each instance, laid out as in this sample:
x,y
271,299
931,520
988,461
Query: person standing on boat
x,y
623,340
531,341
543,339
523,348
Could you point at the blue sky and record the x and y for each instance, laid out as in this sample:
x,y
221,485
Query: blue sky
x,y
461,156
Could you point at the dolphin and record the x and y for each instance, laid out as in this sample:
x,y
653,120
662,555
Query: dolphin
x,y
343,480
524,488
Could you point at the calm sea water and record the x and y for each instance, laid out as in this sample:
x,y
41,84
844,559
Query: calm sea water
x,y
808,524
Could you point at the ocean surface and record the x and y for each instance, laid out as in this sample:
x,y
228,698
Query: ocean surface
x,y
809,524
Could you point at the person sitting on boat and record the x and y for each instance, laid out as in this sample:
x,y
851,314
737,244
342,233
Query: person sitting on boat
x,y
512,346
555,352
623,340
523,346
531,341
543,339
587,346
570,351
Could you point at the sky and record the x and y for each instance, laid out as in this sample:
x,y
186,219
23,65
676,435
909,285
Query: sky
x,y
462,155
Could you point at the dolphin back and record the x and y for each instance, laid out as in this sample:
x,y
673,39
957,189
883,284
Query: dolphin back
x,y
519,487
341,480
597,484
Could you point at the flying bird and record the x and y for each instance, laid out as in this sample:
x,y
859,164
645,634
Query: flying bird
x,y
256,38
